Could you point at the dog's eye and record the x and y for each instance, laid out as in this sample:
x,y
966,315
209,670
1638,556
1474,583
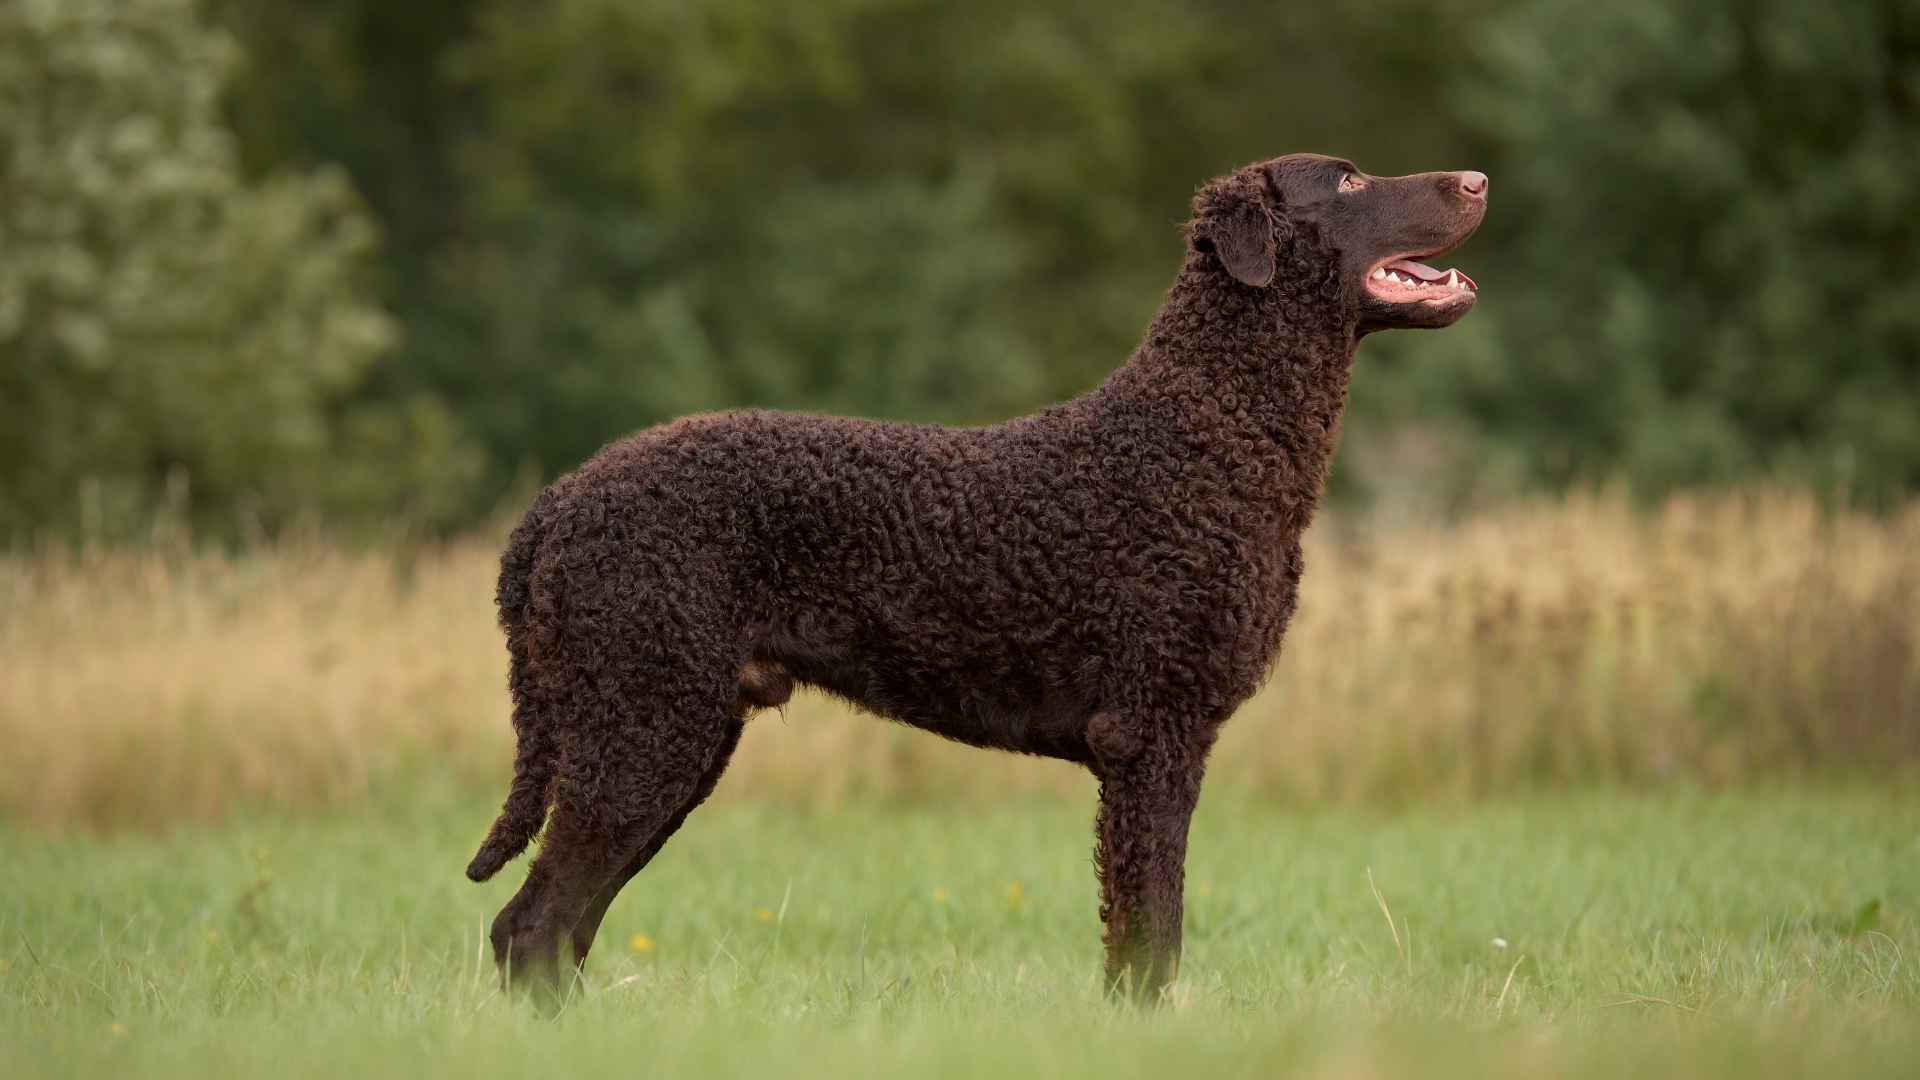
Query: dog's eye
x,y
1351,182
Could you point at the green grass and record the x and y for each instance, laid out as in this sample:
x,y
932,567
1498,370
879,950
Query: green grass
x,y
1687,934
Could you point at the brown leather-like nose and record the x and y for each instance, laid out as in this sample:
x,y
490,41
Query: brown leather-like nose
x,y
1474,184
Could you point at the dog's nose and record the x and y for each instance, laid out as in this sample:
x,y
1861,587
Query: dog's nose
x,y
1474,184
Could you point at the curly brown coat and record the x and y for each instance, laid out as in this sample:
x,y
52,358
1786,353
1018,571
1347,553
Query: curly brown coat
x,y
1102,582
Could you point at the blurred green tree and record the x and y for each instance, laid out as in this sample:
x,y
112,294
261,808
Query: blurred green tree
x,y
1708,215
629,209
174,340
618,211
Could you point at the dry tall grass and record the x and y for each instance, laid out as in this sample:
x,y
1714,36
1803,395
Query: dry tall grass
x,y
1718,639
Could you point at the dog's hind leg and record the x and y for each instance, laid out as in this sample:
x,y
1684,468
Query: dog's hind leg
x,y
615,804
763,685
589,924
640,701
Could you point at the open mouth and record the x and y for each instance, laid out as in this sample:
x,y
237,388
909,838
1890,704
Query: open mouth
x,y
1405,281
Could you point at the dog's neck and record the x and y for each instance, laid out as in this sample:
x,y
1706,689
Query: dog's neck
x,y
1253,378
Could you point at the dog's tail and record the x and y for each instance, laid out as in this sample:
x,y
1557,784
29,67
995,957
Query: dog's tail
x,y
525,811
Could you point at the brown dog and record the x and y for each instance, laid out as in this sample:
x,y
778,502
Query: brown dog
x,y
1103,581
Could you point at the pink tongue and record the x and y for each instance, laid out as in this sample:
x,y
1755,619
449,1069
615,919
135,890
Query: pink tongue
x,y
1424,272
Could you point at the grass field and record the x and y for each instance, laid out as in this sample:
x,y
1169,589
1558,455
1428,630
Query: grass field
x,y
1562,788
1682,934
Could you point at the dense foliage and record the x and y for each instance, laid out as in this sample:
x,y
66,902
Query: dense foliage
x,y
174,338
1719,212
610,212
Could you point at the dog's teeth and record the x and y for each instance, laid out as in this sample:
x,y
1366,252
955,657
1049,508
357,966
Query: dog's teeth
x,y
1453,279
1393,276
1378,273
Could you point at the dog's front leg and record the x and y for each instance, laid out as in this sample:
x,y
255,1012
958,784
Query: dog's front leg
x,y
1148,790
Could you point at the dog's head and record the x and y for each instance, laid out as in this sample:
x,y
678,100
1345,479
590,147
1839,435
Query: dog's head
x,y
1296,219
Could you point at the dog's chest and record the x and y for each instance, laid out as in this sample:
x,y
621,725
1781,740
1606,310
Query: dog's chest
x,y
1198,617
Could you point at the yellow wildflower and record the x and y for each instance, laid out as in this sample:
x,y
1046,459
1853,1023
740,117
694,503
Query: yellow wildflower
x,y
640,943
939,896
763,914
117,1028
1014,894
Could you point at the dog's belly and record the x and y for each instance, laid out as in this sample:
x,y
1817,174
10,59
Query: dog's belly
x,y
994,703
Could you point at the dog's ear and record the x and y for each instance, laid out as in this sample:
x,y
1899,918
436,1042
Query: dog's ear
x,y
1232,221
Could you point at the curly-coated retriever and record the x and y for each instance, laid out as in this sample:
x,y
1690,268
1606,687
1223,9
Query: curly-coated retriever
x,y
1103,581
